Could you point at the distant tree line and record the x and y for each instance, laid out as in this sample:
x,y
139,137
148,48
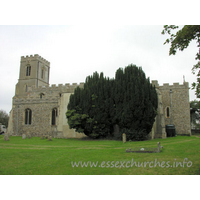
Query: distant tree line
x,y
128,101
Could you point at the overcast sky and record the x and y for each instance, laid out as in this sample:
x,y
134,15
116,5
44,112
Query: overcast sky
x,y
74,52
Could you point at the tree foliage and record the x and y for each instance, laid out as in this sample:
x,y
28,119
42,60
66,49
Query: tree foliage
x,y
180,41
195,113
128,100
4,118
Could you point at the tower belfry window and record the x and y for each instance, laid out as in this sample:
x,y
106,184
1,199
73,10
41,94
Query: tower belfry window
x,y
28,70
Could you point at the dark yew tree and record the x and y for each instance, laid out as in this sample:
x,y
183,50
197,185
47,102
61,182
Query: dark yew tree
x,y
128,101
136,102
89,108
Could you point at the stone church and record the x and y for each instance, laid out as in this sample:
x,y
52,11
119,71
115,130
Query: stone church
x,y
39,109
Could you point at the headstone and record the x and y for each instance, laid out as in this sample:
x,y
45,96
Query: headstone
x,y
158,146
42,138
23,136
6,137
124,137
50,138
28,135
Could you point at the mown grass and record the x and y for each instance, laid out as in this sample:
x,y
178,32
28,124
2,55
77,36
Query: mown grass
x,y
42,157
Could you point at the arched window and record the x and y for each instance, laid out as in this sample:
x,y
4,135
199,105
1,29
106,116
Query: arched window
x,y
167,112
53,116
28,70
28,116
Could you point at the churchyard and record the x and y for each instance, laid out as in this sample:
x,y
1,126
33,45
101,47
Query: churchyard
x,y
35,156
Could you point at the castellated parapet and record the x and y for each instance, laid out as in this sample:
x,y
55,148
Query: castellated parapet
x,y
185,85
67,88
34,57
46,93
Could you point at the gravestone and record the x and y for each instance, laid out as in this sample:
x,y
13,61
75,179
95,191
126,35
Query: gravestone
x,y
124,137
6,136
28,135
23,136
50,138
158,146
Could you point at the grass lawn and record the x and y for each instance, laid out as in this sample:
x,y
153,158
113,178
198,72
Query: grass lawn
x,y
36,156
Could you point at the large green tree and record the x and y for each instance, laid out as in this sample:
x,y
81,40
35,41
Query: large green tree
x,y
89,108
195,114
180,41
4,118
128,101
136,102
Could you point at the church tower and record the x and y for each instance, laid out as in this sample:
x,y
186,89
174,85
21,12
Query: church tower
x,y
34,71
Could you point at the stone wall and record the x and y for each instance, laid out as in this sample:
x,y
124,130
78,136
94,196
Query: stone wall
x,y
41,118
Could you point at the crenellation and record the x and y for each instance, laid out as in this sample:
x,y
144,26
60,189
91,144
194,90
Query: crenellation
x,y
186,84
81,85
155,82
165,85
35,57
176,84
